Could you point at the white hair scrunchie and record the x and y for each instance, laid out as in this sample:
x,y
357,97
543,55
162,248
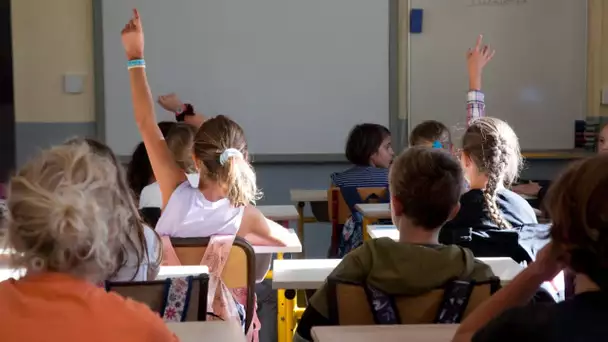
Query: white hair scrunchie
x,y
228,153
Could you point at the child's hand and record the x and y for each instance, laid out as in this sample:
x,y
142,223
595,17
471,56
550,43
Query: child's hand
x,y
549,262
477,58
133,38
170,102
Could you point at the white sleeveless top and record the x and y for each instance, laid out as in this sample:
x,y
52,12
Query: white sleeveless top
x,y
190,214
151,196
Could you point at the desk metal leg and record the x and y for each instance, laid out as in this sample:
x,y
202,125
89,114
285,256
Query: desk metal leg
x,y
290,298
281,327
300,208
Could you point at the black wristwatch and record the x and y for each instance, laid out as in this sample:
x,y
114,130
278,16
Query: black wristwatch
x,y
186,110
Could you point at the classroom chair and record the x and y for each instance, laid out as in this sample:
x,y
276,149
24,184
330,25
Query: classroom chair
x,y
155,294
359,304
239,271
341,207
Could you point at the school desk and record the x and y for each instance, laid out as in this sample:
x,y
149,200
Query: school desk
x,y
310,274
377,231
180,271
301,196
372,212
208,331
293,246
279,213
163,273
386,333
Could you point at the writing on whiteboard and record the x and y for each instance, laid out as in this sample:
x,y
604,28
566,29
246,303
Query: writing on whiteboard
x,y
497,2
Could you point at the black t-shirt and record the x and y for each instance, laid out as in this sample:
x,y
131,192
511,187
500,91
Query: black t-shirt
x,y
473,212
582,318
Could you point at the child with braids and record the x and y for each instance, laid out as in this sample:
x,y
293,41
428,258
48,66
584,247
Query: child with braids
x,y
577,203
491,161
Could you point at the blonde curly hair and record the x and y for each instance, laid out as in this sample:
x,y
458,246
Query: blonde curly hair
x,y
67,215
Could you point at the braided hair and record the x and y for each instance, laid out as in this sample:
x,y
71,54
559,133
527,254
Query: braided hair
x,y
494,148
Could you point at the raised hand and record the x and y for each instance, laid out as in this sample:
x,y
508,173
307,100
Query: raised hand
x,y
133,38
477,58
170,102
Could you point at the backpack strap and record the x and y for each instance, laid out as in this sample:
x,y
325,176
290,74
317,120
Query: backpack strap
x,y
455,300
351,197
383,306
177,299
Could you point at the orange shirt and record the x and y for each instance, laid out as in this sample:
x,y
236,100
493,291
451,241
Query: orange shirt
x,y
59,307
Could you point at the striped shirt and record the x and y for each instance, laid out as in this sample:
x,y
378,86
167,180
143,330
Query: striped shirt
x,y
361,177
476,106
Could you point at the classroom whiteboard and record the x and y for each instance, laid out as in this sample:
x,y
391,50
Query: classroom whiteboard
x,y
295,74
536,82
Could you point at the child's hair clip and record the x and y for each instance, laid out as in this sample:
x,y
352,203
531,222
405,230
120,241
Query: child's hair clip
x,y
437,144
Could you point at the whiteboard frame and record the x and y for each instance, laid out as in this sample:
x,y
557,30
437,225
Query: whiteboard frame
x,y
394,14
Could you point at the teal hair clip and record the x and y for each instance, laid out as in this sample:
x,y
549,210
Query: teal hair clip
x,y
437,144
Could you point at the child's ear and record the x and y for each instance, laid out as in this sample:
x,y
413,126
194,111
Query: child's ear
x,y
396,206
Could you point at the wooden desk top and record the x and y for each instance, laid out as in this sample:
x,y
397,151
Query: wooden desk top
x,y
386,333
207,331
558,154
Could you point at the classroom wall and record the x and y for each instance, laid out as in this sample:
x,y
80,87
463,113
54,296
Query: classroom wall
x,y
50,39
63,29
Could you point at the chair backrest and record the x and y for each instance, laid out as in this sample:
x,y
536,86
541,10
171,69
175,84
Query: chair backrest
x,y
239,271
339,211
154,294
352,304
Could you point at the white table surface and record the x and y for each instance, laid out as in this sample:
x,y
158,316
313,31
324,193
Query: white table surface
x,y
180,271
207,331
374,210
279,212
306,274
377,231
293,246
302,195
386,333
163,273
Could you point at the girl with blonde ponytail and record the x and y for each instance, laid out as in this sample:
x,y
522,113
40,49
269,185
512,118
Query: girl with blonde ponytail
x,y
221,207
491,161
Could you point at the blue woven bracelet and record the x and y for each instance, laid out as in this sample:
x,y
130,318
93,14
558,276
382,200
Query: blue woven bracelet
x,y
136,63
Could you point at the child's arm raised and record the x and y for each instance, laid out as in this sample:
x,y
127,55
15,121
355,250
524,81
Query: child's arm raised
x,y
477,58
167,173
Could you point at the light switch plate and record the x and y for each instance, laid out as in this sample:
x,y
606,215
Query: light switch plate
x,y
73,83
605,95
